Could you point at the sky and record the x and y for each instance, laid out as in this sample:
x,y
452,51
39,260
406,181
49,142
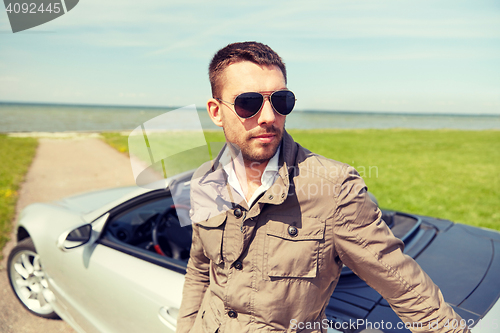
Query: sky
x,y
439,56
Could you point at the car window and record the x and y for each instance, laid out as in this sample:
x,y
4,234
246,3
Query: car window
x,y
151,224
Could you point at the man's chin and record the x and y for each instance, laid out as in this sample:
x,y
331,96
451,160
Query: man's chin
x,y
261,154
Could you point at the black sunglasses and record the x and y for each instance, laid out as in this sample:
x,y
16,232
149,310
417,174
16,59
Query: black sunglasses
x,y
247,105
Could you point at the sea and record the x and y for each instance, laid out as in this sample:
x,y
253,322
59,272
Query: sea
x,y
20,117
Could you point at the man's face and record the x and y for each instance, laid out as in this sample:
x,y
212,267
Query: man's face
x,y
257,137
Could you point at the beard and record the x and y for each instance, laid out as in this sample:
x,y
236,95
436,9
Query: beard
x,y
251,150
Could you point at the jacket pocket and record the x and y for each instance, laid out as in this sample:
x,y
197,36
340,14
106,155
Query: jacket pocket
x,y
211,232
293,249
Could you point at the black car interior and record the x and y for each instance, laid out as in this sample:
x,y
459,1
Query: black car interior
x,y
149,227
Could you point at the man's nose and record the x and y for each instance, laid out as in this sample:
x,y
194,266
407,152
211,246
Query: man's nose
x,y
267,114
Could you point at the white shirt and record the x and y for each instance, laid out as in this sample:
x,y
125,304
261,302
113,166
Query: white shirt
x,y
267,179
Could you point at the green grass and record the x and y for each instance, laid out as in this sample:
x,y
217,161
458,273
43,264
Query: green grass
x,y
116,140
16,155
448,174
444,173
185,150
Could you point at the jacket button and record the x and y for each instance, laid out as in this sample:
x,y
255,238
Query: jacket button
x,y
292,231
238,213
238,265
232,314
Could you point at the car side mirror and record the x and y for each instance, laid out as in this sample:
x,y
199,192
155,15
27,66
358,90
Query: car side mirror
x,y
75,238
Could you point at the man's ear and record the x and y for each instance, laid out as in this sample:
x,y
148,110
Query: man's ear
x,y
214,111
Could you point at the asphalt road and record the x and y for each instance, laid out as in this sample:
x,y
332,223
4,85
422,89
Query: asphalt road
x,y
61,167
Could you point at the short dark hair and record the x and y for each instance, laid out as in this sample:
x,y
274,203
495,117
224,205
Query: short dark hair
x,y
255,52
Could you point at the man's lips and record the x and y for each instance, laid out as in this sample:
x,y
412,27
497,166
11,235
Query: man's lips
x,y
265,138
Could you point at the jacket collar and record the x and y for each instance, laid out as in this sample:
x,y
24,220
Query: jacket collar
x,y
289,154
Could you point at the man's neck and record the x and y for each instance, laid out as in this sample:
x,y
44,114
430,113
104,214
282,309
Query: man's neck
x,y
249,175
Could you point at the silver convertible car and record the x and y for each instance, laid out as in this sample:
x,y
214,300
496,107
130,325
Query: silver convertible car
x,y
114,261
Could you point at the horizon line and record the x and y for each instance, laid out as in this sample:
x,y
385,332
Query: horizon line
x,y
358,112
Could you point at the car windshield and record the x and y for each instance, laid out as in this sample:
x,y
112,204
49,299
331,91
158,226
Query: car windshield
x,y
402,225
88,202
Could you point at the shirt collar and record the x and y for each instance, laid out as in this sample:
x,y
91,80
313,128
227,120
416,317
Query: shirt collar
x,y
272,166
267,178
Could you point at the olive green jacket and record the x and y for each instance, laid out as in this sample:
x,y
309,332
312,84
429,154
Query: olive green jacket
x,y
272,267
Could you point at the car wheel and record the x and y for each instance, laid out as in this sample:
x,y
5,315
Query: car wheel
x,y
28,280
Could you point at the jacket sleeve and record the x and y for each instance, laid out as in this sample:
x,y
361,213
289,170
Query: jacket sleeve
x,y
195,284
367,246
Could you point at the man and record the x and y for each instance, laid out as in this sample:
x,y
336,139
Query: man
x,y
273,223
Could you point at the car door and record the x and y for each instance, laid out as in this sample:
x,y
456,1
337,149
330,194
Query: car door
x,y
119,283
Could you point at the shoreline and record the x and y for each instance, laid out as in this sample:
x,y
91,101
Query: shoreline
x,y
170,108
98,134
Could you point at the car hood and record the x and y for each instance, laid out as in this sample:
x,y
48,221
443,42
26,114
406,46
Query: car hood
x,y
88,202
458,261
463,261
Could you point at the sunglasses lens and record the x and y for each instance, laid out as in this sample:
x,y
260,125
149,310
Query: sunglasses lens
x,y
248,104
283,101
